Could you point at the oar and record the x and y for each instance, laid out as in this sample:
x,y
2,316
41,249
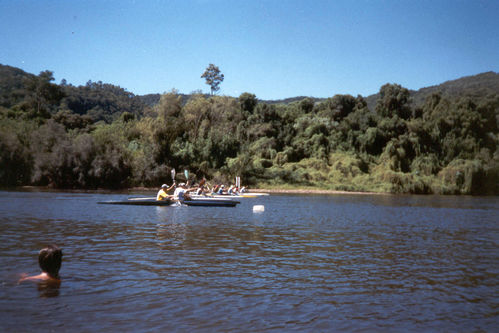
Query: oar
x,y
173,175
186,174
210,185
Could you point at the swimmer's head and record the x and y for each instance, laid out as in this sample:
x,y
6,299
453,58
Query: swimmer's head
x,y
50,259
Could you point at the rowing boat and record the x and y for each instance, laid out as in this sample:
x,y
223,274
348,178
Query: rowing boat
x,y
140,202
205,202
256,194
228,196
214,196
211,202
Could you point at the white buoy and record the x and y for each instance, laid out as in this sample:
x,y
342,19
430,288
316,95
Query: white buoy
x,y
258,208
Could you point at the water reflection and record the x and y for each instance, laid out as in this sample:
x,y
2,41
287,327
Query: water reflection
x,y
171,234
172,230
48,289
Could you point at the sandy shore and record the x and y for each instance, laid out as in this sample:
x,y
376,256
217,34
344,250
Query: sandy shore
x,y
310,191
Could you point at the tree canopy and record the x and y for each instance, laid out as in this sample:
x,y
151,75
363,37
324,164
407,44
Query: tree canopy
x,y
213,77
102,136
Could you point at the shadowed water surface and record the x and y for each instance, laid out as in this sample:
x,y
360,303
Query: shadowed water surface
x,y
307,263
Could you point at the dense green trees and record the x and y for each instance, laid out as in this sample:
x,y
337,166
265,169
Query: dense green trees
x,y
99,135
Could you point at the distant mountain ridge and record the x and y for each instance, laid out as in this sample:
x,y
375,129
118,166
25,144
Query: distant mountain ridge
x,y
11,81
483,84
153,99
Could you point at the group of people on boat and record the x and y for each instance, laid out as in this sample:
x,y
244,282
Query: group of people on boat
x,y
232,190
183,190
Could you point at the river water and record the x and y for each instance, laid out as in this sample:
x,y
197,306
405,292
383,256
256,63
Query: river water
x,y
307,263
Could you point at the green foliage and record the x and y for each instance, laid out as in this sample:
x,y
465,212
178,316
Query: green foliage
x,y
372,141
427,165
15,158
393,101
73,121
100,135
101,101
12,85
213,77
399,182
468,177
306,105
338,107
40,97
247,102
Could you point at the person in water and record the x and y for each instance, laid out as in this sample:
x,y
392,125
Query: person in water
x,y
163,192
49,259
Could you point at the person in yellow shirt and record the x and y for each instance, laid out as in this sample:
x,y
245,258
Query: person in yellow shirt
x,y
163,192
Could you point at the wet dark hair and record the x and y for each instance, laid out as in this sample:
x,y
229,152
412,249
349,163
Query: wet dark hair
x,y
50,259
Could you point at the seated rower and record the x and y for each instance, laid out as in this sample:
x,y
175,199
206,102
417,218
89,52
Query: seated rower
x,y
221,189
163,192
200,190
215,188
182,192
49,259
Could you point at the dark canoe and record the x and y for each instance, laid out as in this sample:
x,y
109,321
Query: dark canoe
x,y
211,202
140,202
203,202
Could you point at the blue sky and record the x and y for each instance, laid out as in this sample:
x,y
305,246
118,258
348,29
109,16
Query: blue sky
x,y
273,49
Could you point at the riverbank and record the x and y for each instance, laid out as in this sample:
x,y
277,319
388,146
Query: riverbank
x,y
313,191
153,189
286,191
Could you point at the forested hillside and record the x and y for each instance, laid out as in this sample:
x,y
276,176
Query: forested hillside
x,y
102,136
476,86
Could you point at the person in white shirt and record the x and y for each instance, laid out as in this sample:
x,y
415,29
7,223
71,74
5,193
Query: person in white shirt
x,y
182,192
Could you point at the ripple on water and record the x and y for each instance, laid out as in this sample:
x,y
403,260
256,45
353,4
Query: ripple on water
x,y
308,263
